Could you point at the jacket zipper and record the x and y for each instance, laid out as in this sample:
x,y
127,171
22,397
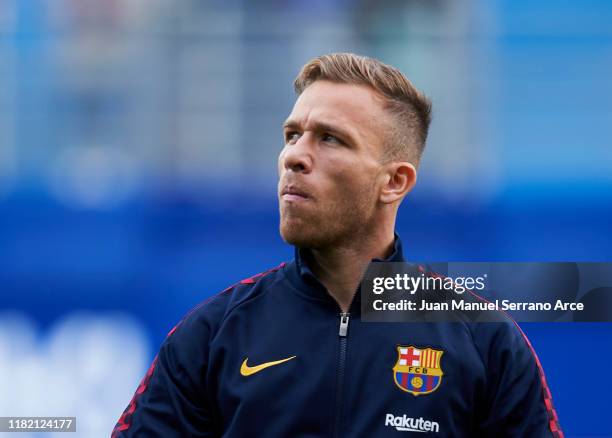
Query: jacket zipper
x,y
342,332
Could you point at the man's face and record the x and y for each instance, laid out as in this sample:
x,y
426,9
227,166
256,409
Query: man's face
x,y
329,169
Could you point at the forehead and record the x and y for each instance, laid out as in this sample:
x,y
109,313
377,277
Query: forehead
x,y
353,107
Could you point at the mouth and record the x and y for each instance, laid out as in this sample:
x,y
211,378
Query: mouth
x,y
294,194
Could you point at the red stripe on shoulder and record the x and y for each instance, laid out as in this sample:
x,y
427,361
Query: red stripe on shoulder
x,y
125,419
250,280
254,278
553,419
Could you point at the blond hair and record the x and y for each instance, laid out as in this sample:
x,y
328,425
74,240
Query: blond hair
x,y
410,108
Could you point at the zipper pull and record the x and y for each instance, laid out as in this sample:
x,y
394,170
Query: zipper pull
x,y
344,322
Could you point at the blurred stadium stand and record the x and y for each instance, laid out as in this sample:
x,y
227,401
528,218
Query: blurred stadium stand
x,y
138,145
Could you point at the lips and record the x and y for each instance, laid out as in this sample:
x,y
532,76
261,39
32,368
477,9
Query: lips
x,y
294,193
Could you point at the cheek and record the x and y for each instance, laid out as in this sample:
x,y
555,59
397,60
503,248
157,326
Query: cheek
x,y
351,176
343,185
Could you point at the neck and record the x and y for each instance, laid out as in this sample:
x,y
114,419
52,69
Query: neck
x,y
341,267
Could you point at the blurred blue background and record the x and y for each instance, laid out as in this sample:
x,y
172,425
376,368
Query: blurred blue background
x,y
138,145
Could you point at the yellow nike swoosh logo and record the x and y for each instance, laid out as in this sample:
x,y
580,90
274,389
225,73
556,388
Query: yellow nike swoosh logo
x,y
246,370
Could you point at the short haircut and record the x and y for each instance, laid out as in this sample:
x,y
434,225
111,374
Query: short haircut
x,y
410,108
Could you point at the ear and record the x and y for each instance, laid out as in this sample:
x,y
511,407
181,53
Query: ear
x,y
400,178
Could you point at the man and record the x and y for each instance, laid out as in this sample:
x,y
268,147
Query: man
x,y
285,353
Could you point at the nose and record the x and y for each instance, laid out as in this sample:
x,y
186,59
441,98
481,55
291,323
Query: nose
x,y
297,157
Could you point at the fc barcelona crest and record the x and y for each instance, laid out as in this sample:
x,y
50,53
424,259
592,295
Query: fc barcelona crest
x,y
417,370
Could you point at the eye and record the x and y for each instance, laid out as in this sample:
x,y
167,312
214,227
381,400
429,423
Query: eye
x,y
328,138
291,137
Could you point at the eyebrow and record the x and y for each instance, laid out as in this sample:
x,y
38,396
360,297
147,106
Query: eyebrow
x,y
322,127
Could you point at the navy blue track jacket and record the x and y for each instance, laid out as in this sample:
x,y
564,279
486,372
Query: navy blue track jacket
x,y
273,356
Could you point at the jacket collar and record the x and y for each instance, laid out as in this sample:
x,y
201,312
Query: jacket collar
x,y
302,277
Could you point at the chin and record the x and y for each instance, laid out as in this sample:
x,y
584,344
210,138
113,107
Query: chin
x,y
308,235
294,235
300,235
